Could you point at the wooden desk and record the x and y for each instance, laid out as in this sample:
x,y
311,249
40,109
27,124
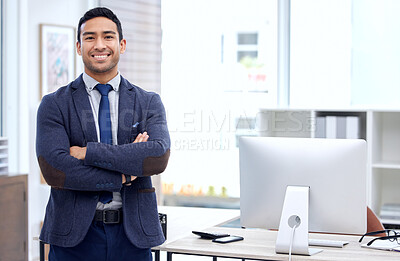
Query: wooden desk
x,y
181,221
260,245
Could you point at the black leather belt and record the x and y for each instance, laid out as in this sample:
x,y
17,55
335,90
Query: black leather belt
x,y
109,216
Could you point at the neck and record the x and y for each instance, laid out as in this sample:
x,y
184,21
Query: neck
x,y
102,78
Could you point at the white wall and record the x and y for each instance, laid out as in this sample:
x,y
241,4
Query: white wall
x,y
21,84
58,12
12,51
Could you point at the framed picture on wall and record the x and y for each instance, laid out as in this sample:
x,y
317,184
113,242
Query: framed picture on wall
x,y
57,57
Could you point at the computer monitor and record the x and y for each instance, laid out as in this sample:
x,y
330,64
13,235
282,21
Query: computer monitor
x,y
334,169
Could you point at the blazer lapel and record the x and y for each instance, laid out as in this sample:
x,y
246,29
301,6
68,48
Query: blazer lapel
x,y
84,110
126,112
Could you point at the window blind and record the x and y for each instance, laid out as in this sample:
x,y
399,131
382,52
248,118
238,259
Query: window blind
x,y
141,26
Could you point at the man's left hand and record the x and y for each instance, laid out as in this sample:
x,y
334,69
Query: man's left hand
x,y
78,152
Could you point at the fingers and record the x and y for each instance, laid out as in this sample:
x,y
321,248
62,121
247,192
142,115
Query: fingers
x,y
142,137
78,152
146,137
124,180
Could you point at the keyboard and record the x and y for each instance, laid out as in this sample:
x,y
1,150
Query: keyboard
x,y
327,243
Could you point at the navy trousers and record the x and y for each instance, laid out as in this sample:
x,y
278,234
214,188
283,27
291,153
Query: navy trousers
x,y
103,242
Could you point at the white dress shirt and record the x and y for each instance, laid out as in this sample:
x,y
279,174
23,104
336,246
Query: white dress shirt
x,y
113,97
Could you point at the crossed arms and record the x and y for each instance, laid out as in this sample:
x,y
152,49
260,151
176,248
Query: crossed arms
x,y
64,166
80,152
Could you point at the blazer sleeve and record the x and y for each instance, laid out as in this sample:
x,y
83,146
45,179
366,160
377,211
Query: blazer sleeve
x,y
137,159
59,168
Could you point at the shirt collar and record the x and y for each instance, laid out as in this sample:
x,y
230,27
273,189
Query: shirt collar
x,y
91,83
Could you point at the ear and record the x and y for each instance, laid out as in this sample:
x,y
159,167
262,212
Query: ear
x,y
78,48
122,46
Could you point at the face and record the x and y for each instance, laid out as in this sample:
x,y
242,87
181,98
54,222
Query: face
x,y
100,47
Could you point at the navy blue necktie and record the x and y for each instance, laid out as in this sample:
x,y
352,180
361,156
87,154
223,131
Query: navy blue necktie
x,y
105,127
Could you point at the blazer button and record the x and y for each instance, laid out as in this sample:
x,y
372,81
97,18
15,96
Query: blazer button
x,y
109,165
97,186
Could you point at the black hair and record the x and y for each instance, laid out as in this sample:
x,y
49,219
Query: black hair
x,y
99,12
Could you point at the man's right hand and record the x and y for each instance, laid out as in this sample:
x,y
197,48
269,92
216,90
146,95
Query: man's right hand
x,y
142,137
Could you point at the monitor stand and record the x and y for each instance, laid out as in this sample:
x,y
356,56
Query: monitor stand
x,y
293,227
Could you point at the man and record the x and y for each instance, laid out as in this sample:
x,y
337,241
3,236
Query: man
x,y
99,139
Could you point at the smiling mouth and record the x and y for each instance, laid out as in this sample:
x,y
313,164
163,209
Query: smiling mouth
x,y
100,57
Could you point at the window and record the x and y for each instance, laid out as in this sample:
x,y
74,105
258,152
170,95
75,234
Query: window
x,y
141,26
320,53
216,74
1,68
248,39
247,45
375,61
351,61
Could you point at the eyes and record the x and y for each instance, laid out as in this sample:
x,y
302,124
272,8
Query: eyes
x,y
107,37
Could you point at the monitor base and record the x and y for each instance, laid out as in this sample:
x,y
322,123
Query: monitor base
x,y
293,228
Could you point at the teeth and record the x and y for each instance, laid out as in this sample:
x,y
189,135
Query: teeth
x,y
100,56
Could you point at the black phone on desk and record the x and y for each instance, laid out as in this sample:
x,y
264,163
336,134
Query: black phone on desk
x,y
210,235
227,239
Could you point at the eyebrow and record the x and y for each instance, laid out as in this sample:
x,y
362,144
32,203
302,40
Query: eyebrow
x,y
109,32
105,32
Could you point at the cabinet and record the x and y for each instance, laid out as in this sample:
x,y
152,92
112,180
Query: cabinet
x,y
13,218
385,159
3,155
381,130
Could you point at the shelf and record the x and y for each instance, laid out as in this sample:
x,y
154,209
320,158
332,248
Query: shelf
x,y
386,165
381,130
2,165
201,201
2,147
391,221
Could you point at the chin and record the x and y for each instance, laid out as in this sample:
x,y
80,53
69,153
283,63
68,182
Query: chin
x,y
102,69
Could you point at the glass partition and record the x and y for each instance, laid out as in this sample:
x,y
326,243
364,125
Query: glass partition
x,y
219,66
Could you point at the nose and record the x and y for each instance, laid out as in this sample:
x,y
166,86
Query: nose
x,y
99,44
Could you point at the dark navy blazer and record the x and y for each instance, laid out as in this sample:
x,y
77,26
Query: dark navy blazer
x,y
65,119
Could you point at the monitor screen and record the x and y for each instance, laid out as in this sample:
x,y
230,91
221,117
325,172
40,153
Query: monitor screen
x,y
334,169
